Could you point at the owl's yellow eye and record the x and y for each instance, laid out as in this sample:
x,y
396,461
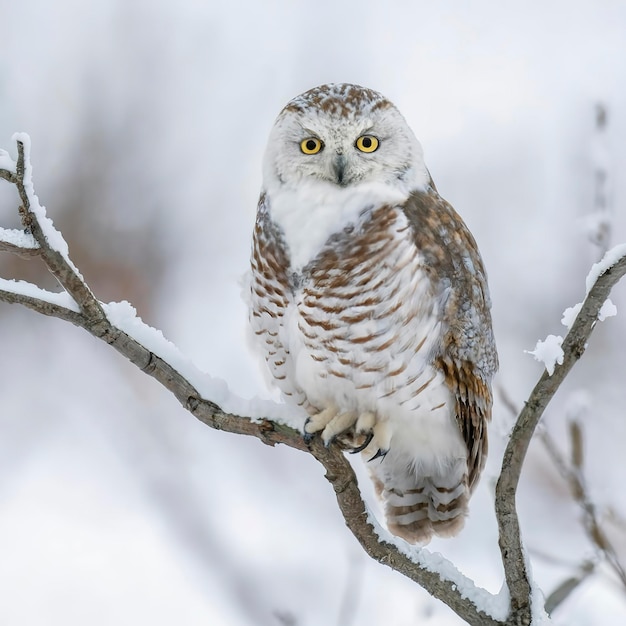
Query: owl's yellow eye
x,y
367,143
312,145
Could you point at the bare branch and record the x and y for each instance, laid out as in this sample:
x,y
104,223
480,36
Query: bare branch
x,y
573,347
576,437
565,589
41,306
18,242
578,488
572,473
21,251
341,475
8,176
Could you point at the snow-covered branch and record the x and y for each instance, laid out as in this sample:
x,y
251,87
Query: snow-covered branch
x,y
117,324
603,276
209,401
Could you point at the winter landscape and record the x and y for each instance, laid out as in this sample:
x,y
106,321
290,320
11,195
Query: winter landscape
x,y
148,124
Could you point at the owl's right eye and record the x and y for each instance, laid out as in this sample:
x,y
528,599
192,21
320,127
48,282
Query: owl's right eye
x,y
311,145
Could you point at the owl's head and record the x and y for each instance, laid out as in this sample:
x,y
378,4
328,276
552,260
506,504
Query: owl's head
x,y
343,135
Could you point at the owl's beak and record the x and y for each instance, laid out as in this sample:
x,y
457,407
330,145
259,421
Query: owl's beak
x,y
339,167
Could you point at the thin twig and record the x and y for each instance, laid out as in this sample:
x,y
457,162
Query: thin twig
x,y
573,475
41,306
58,264
579,491
565,589
21,251
8,176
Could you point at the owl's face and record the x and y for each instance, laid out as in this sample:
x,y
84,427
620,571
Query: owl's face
x,y
343,135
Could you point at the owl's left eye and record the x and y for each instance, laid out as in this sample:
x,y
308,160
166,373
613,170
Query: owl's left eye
x,y
367,143
312,145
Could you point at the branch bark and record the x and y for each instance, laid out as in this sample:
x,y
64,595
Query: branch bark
x,y
574,344
572,472
90,315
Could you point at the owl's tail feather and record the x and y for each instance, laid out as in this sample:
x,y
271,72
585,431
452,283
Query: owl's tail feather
x,y
426,508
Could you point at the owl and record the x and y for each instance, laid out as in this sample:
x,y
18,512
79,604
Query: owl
x,y
370,305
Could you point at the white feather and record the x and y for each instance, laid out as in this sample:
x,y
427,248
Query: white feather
x,y
309,214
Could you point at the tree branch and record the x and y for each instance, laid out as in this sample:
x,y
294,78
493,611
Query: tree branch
x,y
576,482
52,247
91,316
39,306
17,249
574,344
451,587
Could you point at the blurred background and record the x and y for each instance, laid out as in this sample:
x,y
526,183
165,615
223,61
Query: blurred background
x,y
148,123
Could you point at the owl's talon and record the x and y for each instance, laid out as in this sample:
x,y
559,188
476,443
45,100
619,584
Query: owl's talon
x,y
380,454
364,445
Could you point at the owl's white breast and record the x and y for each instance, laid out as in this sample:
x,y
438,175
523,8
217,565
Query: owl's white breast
x,y
364,340
316,209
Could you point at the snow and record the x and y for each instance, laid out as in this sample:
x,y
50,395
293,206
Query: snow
x,y
18,238
23,288
124,316
570,314
548,352
611,257
6,162
608,309
494,605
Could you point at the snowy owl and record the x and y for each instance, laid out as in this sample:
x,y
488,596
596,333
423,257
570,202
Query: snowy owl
x,y
369,302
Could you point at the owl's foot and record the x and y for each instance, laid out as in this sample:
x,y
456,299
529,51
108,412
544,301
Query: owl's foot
x,y
318,422
331,422
356,432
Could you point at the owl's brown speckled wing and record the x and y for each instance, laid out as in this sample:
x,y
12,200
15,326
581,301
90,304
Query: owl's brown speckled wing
x,y
271,294
467,355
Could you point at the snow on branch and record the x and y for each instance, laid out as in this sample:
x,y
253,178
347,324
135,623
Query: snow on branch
x,y
210,401
603,276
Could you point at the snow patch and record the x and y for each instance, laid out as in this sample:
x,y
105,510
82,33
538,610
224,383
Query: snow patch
x,y
611,257
124,316
23,288
549,352
597,269
6,162
18,238
608,309
496,606
570,314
